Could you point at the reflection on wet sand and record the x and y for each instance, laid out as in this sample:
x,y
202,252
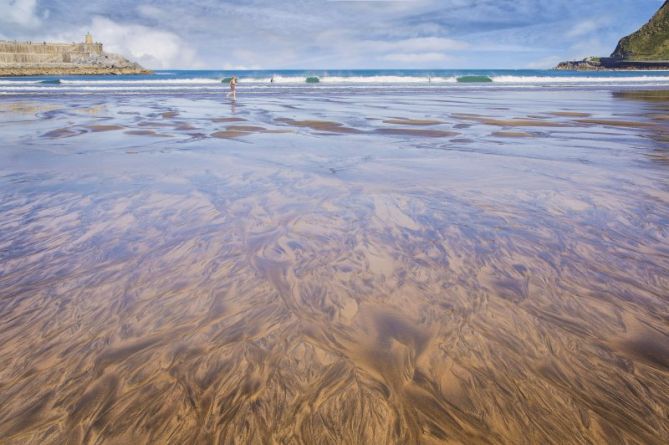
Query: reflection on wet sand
x,y
503,290
570,114
405,121
615,123
100,128
512,134
515,122
327,126
417,132
142,133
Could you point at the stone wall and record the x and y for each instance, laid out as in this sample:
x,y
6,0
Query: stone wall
x,y
26,53
35,58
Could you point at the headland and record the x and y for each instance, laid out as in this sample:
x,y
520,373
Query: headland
x,y
645,49
47,58
612,63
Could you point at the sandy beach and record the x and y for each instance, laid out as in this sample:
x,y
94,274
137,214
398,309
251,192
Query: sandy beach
x,y
389,265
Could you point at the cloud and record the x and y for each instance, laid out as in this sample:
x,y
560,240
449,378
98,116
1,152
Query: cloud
x,y
545,63
19,12
150,47
592,46
332,34
415,52
152,12
417,58
423,44
587,27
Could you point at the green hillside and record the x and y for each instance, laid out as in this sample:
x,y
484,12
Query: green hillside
x,y
651,42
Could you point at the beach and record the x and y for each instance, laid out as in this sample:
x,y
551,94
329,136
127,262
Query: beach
x,y
397,262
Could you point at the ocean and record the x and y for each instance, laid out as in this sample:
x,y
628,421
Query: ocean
x,y
271,81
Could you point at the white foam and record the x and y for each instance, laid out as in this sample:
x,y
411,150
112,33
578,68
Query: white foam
x,y
193,81
348,80
19,82
297,82
504,79
375,79
109,88
356,79
277,79
578,79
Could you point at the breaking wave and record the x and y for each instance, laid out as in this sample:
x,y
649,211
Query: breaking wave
x,y
259,81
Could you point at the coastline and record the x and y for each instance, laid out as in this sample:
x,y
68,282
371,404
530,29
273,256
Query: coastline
x,y
612,64
19,59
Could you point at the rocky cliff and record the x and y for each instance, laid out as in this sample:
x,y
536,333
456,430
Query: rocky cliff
x,y
651,42
35,59
647,48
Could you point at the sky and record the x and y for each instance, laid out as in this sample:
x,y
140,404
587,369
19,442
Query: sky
x,y
330,34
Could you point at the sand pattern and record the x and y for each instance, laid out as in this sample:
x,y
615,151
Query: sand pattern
x,y
348,281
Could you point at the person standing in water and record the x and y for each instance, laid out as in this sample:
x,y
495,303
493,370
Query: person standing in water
x,y
233,88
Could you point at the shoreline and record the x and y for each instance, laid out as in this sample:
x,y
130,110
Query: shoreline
x,y
612,64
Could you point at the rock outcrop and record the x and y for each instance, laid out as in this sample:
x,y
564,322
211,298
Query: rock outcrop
x,y
611,63
87,58
645,49
651,42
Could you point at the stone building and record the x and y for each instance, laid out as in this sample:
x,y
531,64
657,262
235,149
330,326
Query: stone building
x,y
32,58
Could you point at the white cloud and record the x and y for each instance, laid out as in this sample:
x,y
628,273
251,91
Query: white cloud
x,y
411,52
587,27
345,34
419,58
19,12
545,63
589,47
419,44
150,47
152,12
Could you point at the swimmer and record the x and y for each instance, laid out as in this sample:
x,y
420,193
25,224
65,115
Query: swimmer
x,y
233,88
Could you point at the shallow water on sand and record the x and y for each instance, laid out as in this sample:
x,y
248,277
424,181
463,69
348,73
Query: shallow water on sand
x,y
351,268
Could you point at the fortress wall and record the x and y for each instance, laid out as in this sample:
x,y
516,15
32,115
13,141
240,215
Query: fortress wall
x,y
25,58
37,53
49,59
34,48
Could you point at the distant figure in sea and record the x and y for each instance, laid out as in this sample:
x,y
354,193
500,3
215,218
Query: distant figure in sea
x,y
233,88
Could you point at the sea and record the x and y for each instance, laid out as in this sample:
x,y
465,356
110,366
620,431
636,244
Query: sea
x,y
272,81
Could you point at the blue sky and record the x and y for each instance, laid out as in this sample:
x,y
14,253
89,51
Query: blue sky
x,y
274,34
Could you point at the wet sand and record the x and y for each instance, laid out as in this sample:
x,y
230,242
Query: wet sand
x,y
358,269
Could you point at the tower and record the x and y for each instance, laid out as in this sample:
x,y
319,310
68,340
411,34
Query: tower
x,y
89,39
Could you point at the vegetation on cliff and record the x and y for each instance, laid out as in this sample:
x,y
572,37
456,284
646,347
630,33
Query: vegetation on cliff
x,y
651,42
645,49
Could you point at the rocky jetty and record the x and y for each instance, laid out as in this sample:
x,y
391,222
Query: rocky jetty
x,y
645,49
44,58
